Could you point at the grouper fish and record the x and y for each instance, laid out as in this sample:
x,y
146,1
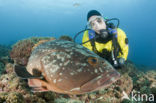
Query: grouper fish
x,y
68,68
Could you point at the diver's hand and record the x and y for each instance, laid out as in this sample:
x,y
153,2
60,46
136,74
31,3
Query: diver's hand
x,y
121,61
115,64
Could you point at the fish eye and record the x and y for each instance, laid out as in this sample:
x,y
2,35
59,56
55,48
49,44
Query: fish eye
x,y
92,61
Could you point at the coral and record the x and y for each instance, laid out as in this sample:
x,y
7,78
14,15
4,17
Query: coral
x,y
21,51
3,96
30,98
14,97
47,96
151,76
15,90
65,37
10,82
11,97
143,82
153,90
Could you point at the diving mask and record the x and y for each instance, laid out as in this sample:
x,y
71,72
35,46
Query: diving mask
x,y
97,23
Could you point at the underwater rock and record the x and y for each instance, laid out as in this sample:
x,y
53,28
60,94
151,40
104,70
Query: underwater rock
x,y
21,50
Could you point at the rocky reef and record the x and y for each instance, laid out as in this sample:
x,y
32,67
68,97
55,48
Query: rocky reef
x,y
16,90
4,50
4,56
21,50
1,67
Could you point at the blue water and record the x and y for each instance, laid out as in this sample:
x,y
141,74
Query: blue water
x,y
21,19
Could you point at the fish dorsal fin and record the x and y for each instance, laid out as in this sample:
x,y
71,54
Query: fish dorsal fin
x,y
23,73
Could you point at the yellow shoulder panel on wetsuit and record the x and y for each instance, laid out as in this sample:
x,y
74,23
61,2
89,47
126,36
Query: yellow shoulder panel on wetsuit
x,y
86,38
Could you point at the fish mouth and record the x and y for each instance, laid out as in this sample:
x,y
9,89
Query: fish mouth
x,y
101,81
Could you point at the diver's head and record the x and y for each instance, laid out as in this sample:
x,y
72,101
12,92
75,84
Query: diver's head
x,y
96,21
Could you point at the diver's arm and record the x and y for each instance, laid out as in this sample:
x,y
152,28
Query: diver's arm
x,y
123,42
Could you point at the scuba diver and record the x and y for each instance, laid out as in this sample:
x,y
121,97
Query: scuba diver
x,y
106,39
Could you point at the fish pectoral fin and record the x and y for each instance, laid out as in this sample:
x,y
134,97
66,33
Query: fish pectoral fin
x,y
39,89
38,85
22,72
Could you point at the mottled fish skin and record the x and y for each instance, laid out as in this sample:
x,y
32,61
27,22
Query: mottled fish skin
x,y
70,68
